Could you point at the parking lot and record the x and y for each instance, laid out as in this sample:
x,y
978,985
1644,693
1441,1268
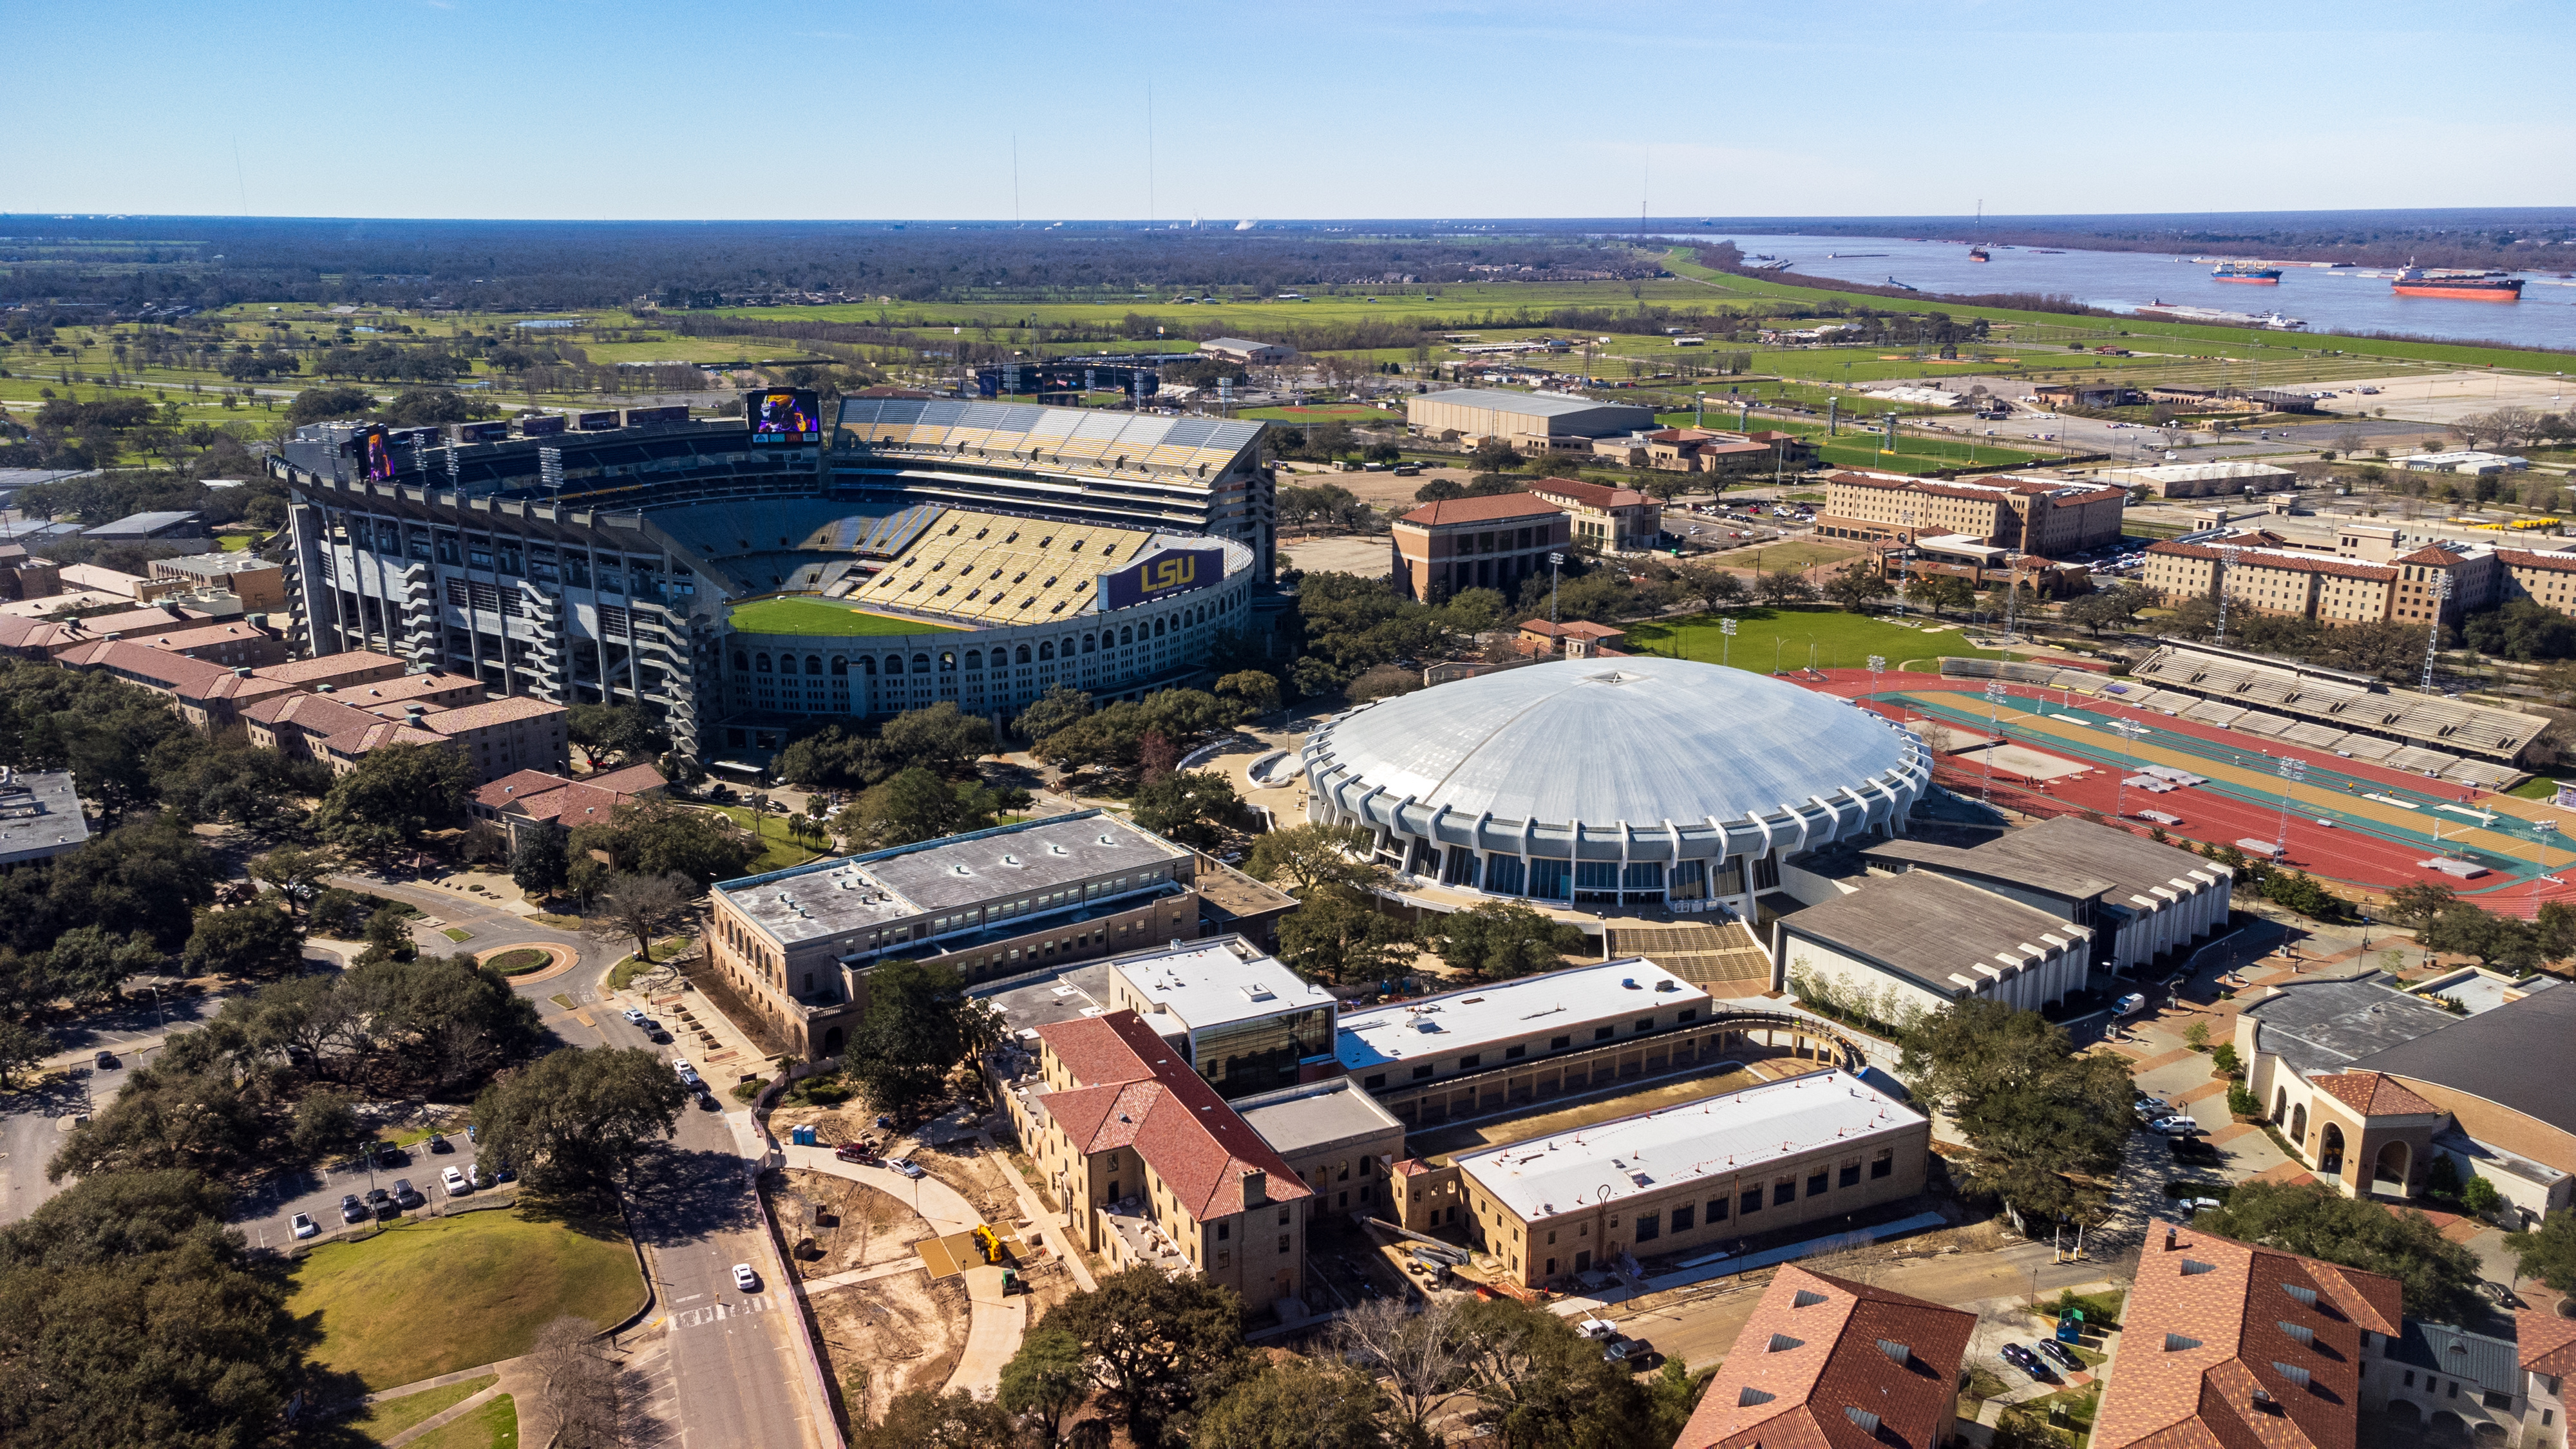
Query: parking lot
x,y
264,1215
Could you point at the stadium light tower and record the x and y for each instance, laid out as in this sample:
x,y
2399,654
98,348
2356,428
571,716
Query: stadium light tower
x,y
2291,772
2227,565
1995,693
1726,641
2433,631
1554,562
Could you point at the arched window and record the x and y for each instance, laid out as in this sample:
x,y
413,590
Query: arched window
x,y
1023,654
1090,643
921,664
814,664
1127,635
1158,628
974,658
1046,649
760,662
868,662
894,664
787,664
741,662
840,667
948,661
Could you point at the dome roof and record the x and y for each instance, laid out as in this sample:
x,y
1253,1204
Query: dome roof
x,y
1642,740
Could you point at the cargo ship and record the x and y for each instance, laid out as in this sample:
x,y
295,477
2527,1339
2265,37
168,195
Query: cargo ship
x,y
1978,254
2254,272
2487,286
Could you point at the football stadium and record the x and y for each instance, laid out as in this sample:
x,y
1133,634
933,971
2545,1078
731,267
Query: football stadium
x,y
738,577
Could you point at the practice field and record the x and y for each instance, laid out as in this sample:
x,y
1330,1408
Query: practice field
x,y
812,616
1781,638
433,1295
1322,413
2346,820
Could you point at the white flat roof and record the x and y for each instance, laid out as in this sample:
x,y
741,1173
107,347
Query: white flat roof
x,y
1457,1021
1209,983
1711,1139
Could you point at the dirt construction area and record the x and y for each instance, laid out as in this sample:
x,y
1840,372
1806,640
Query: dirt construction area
x,y
887,1325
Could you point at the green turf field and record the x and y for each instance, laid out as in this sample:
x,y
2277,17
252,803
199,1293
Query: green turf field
x,y
812,616
1768,638
1322,413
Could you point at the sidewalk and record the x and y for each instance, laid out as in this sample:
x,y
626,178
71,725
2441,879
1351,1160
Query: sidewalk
x,y
722,1052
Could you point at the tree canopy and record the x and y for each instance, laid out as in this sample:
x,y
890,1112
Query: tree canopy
x,y
2440,1277
914,1032
575,1122
1496,940
397,794
2047,1125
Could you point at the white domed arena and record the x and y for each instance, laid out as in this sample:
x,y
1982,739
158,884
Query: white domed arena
x,y
1635,782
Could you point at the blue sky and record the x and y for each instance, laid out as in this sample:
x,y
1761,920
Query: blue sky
x,y
591,109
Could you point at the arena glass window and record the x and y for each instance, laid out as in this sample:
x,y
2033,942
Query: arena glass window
x,y
1024,654
787,664
868,662
1158,628
948,661
840,667
1046,649
1090,643
921,664
813,663
761,662
974,658
1127,636
894,664
741,662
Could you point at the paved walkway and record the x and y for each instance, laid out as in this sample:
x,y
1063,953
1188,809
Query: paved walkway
x,y
994,1323
1035,1210
448,1415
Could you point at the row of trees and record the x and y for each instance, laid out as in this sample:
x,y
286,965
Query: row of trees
x,y
1338,935
1163,1359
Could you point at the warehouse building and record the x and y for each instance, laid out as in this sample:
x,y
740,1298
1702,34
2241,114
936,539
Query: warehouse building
x,y
1782,1154
1920,941
1246,351
1531,422
1476,543
40,815
2204,480
2137,898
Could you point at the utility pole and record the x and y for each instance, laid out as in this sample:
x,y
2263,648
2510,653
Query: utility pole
x,y
2291,772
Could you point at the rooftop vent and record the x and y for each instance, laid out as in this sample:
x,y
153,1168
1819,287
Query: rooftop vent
x,y
1806,1298
1751,1396
2193,1267
2176,1343
1259,991
1897,1353
1781,1343
2307,1296
1863,1417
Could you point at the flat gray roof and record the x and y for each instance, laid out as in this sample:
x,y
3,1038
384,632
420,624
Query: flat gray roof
x,y
2333,1026
40,815
2500,1055
1712,1139
1318,1114
858,892
1213,982
1526,404
1463,1020
1931,928
145,523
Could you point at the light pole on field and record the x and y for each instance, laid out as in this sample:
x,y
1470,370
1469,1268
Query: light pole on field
x,y
1726,641
1877,662
1994,725
2292,772
1554,562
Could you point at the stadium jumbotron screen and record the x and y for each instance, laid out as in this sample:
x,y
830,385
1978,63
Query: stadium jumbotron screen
x,y
784,417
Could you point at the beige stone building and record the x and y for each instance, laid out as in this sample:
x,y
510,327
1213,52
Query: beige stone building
x,y
1612,520
1529,421
2257,572
1156,1169
1444,548
2044,516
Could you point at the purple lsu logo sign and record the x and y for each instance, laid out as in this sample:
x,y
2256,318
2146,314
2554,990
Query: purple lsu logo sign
x,y
1173,571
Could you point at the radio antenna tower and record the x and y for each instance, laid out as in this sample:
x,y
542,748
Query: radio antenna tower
x,y
2433,634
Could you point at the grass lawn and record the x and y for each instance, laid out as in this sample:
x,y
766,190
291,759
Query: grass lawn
x,y
493,1426
434,1295
778,849
2538,787
627,970
1796,554
384,1420
1841,640
520,962
1322,413
457,933
812,616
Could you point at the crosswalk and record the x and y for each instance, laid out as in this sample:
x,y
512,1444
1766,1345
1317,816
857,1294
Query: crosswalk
x,y
713,1313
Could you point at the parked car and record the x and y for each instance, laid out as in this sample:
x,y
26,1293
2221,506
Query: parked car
x,y
654,1033
855,1152
2177,1126
455,1183
303,1226
104,1061
635,1014
437,1142
382,1204
2130,1004
1597,1328
389,1154
352,1210
475,1174
406,1195
2498,1293
2028,1362
2191,1149
688,1074
2060,1354
906,1166
745,1279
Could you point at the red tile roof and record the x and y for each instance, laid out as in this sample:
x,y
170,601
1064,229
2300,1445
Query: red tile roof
x,y
407,687
632,780
2211,1323
175,672
2433,554
488,713
575,806
1135,1089
200,636
328,666
522,785
2373,1094
1480,510
1818,1364
2522,558
2250,557
1590,495
2546,1341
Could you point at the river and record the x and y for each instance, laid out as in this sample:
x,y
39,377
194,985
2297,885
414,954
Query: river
x,y
2345,299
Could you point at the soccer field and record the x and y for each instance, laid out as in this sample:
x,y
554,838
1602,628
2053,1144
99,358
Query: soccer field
x,y
1769,639
812,616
